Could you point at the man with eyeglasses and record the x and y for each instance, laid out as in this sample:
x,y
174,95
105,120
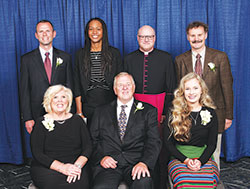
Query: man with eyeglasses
x,y
153,72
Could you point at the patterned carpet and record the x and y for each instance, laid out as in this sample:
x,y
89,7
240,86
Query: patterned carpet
x,y
234,175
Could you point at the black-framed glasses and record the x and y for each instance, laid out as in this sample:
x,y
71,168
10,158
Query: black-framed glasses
x,y
148,37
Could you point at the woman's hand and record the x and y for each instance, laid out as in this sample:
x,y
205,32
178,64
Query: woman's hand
x,y
193,164
72,171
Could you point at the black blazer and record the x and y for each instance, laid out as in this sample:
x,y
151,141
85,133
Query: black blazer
x,y
82,82
34,81
141,142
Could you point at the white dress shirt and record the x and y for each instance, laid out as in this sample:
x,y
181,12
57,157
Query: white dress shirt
x,y
42,51
202,53
127,109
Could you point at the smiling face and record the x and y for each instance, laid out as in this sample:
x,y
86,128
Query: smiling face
x,y
95,31
146,38
45,34
197,37
192,92
124,88
59,102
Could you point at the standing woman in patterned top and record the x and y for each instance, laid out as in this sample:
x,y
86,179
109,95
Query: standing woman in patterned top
x,y
96,65
190,135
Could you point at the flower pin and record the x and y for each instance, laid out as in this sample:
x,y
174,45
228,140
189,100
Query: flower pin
x,y
48,123
211,65
205,117
59,61
139,106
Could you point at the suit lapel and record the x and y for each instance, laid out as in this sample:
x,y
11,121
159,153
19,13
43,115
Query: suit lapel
x,y
113,115
207,60
131,119
55,56
39,61
188,62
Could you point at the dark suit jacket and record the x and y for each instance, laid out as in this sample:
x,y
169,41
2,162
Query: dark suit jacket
x,y
34,81
82,82
219,83
141,142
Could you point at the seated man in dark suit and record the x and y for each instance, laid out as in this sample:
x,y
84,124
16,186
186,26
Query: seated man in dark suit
x,y
125,139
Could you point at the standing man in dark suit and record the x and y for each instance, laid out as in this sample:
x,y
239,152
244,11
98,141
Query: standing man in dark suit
x,y
125,139
41,68
214,68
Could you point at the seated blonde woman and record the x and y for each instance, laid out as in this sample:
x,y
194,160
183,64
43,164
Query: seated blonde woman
x,y
190,134
60,144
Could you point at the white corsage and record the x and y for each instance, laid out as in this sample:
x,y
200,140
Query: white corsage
x,y
139,106
48,123
205,117
211,65
59,61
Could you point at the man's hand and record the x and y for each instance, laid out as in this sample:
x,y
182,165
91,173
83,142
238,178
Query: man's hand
x,y
228,123
140,169
108,162
29,125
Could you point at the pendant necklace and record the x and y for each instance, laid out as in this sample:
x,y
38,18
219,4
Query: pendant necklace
x,y
60,122
195,120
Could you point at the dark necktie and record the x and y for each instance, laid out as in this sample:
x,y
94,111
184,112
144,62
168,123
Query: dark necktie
x,y
47,65
198,67
122,121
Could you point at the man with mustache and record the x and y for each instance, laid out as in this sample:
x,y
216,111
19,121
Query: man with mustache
x,y
214,68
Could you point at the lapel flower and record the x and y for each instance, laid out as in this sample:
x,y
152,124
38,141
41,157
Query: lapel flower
x,y
139,106
59,61
48,123
205,117
211,65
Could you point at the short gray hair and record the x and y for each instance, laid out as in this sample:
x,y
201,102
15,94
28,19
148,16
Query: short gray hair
x,y
123,74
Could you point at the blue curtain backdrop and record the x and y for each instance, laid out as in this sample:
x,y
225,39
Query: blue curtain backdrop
x,y
229,28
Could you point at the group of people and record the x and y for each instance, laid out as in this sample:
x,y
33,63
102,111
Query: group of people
x,y
131,117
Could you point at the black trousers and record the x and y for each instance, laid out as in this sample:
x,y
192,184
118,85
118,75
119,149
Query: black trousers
x,y
111,178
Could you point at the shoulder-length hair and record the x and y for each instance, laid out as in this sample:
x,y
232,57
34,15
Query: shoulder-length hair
x,y
50,94
179,120
106,55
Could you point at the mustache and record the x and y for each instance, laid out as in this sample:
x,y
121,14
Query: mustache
x,y
197,41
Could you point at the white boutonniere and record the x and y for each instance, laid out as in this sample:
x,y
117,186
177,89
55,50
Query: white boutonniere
x,y
205,117
211,65
48,123
59,61
139,106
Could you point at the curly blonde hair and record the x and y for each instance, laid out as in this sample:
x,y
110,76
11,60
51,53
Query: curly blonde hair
x,y
179,119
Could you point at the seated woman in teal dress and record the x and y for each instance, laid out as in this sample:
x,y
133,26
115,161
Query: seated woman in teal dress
x,y
190,134
60,144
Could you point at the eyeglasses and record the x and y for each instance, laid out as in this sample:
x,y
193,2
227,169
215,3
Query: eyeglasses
x,y
148,37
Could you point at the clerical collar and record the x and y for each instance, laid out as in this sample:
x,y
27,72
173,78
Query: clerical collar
x,y
147,53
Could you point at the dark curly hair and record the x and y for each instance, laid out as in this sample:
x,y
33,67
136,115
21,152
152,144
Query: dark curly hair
x,y
197,24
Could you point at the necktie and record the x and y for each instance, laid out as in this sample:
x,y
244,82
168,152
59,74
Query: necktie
x,y
122,121
198,67
47,65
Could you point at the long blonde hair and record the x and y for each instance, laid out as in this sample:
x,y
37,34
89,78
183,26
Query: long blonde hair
x,y
179,119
